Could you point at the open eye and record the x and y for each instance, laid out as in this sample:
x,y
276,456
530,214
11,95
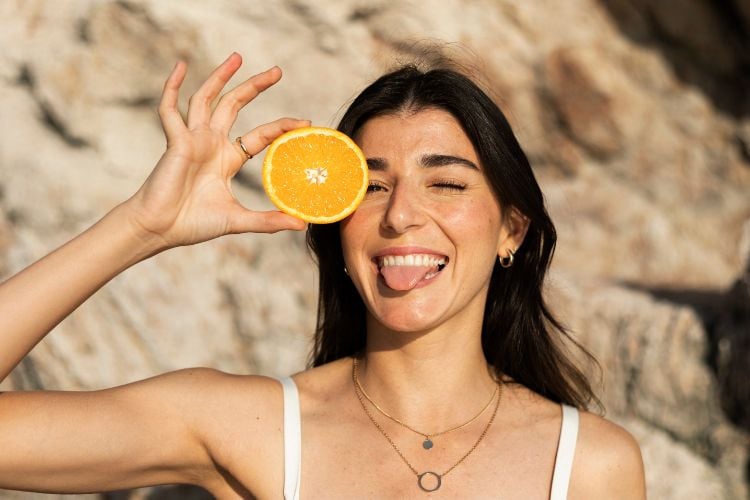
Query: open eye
x,y
374,187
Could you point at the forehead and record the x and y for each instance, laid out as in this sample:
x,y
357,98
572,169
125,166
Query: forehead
x,y
408,133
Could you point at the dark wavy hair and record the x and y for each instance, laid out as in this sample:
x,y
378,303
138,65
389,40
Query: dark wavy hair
x,y
521,338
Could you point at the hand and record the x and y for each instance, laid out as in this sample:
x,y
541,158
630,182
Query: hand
x,y
188,197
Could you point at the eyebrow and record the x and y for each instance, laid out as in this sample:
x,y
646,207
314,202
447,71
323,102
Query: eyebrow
x,y
444,160
427,161
378,164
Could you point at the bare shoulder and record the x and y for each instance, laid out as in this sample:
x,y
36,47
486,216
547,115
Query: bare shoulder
x,y
324,390
214,397
325,377
195,388
239,421
218,407
607,462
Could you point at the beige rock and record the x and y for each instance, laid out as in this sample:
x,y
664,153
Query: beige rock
x,y
585,99
664,458
645,177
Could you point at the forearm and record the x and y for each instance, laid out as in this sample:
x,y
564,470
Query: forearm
x,y
35,300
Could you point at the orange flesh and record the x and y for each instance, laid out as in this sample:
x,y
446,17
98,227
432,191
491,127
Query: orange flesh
x,y
289,183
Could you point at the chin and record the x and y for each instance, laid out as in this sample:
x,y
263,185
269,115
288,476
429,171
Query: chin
x,y
406,319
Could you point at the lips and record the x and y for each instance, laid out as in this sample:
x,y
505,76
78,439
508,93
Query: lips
x,y
402,270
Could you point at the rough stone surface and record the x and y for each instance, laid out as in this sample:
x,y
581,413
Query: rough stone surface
x,y
635,115
653,372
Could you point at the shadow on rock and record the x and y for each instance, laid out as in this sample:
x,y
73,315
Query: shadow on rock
x,y
726,317
705,42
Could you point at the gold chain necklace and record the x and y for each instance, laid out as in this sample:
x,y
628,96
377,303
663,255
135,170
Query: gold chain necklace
x,y
427,444
427,474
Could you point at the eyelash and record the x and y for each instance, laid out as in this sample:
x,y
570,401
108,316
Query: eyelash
x,y
450,185
447,185
371,188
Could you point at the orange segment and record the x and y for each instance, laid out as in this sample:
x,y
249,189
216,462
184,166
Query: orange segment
x,y
316,174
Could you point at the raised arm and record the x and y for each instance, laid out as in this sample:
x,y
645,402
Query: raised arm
x,y
187,199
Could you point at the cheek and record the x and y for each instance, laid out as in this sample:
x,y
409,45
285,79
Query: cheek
x,y
362,221
354,230
478,217
475,228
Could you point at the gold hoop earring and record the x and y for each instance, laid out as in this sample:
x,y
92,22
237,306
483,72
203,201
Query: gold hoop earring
x,y
506,262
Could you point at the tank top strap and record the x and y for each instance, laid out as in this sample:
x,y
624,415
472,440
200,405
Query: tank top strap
x,y
566,448
292,439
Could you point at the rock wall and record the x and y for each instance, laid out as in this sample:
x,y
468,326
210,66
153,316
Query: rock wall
x,y
635,115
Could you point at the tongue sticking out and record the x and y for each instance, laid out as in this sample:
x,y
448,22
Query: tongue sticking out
x,y
405,277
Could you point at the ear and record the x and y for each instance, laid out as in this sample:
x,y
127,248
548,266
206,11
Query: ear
x,y
513,232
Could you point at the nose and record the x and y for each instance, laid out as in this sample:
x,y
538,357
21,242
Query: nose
x,y
404,210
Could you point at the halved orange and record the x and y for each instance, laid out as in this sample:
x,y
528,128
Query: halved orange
x,y
316,174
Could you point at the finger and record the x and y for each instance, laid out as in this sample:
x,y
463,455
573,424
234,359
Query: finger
x,y
171,121
243,220
233,101
257,139
200,102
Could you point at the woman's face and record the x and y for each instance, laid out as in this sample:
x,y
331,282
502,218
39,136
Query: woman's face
x,y
422,245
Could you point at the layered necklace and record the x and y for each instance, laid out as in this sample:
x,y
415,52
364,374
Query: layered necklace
x,y
424,478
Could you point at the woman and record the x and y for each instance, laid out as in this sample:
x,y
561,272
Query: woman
x,y
437,366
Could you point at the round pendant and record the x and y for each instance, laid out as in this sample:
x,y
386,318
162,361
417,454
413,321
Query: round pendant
x,y
427,443
421,480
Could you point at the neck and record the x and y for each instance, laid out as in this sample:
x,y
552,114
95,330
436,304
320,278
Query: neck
x,y
437,376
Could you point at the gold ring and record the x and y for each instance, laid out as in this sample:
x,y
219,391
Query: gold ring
x,y
238,140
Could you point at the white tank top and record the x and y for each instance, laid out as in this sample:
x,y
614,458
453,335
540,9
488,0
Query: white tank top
x,y
566,446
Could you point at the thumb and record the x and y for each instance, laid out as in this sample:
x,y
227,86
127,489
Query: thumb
x,y
242,220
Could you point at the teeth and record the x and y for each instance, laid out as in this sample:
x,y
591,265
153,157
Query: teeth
x,y
417,259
